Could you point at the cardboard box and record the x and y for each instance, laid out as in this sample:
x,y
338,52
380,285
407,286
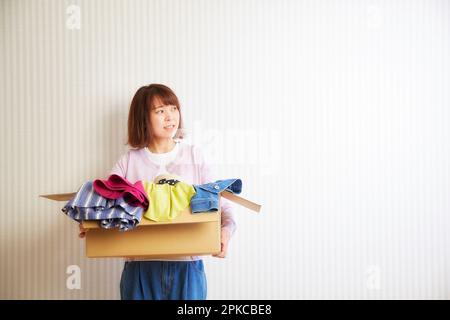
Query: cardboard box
x,y
188,234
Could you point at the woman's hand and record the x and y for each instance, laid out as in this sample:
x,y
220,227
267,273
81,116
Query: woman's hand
x,y
83,231
224,239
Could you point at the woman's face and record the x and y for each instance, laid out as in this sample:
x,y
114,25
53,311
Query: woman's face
x,y
164,119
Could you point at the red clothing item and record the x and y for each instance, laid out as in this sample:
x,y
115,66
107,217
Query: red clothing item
x,y
116,187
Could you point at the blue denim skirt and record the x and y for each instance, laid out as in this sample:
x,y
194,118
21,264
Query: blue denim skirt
x,y
163,280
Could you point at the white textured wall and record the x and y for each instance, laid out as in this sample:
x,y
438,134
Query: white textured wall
x,y
334,113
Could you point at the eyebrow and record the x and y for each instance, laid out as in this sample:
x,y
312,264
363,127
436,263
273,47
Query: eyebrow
x,y
158,107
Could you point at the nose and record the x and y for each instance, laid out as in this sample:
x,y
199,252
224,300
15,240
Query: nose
x,y
170,115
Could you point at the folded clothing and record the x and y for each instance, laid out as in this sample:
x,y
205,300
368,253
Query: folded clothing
x,y
206,198
116,187
89,205
168,197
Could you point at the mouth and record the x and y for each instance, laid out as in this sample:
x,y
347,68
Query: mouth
x,y
169,127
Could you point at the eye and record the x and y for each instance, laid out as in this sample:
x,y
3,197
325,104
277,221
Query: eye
x,y
160,111
174,108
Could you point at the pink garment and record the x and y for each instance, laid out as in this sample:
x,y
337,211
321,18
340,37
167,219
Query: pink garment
x,y
117,186
189,164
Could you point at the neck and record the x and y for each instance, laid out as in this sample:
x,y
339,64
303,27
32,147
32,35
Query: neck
x,y
161,145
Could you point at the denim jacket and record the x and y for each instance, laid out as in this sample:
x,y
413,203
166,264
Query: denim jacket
x,y
206,197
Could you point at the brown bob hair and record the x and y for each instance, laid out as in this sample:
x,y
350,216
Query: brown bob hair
x,y
139,127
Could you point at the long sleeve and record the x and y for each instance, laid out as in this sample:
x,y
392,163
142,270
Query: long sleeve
x,y
208,175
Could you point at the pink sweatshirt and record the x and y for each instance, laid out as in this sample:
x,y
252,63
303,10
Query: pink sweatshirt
x,y
189,164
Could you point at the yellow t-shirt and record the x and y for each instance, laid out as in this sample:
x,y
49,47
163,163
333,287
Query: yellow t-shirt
x,y
167,201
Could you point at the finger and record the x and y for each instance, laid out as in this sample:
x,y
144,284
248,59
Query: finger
x,y
222,254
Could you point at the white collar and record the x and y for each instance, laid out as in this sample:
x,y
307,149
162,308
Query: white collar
x,y
163,158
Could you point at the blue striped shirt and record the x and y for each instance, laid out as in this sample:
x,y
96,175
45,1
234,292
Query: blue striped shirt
x,y
89,205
